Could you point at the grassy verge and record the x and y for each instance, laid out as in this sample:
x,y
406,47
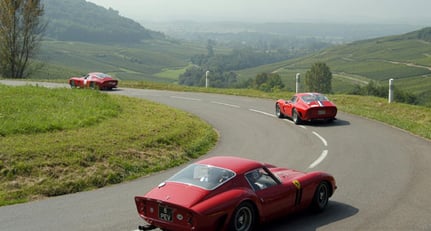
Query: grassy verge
x,y
125,139
27,109
414,119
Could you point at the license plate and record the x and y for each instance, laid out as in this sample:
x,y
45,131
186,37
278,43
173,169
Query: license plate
x,y
165,213
321,112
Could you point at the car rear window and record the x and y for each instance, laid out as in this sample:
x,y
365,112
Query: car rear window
x,y
102,75
203,176
314,97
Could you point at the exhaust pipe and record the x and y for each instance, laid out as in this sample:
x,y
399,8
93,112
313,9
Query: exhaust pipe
x,y
146,227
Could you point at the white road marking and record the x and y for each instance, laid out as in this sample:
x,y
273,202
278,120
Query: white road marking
x,y
324,153
262,112
321,138
186,98
325,143
319,160
290,121
226,104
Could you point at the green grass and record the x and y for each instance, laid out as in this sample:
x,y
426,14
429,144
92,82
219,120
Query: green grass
x,y
126,139
28,109
411,118
171,74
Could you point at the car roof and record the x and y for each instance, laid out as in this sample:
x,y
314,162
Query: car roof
x,y
308,93
237,164
98,74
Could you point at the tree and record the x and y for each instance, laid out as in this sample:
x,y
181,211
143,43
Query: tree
x,y
21,30
195,76
319,78
373,88
268,82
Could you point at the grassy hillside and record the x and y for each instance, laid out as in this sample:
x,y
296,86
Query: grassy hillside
x,y
149,60
80,20
405,58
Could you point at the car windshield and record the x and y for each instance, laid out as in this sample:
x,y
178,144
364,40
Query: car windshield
x,y
314,97
203,176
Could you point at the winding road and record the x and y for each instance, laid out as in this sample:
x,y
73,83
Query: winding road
x,y
382,172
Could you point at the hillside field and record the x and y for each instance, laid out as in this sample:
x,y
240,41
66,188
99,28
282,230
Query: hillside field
x,y
407,61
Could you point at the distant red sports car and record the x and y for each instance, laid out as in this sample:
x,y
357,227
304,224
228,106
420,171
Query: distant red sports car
x,y
94,80
306,107
231,193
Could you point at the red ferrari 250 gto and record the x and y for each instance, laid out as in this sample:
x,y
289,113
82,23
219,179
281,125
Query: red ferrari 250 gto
x,y
231,193
306,107
94,80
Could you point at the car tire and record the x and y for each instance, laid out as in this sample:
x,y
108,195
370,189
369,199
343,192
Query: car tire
x,y
278,112
72,84
94,86
321,197
295,117
243,218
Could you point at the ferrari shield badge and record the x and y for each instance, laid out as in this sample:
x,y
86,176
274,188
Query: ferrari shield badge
x,y
297,184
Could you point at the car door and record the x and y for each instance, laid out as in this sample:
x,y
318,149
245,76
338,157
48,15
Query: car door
x,y
287,109
276,199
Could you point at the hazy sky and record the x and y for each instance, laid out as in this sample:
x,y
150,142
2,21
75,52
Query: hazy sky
x,y
374,11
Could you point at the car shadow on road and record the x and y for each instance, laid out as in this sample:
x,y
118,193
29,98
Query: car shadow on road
x,y
309,221
337,122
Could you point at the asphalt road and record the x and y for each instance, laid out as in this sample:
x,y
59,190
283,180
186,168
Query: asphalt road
x,y
382,172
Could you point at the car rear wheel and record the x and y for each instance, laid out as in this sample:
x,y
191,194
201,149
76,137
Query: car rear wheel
x,y
321,197
278,112
243,218
295,117
72,84
94,86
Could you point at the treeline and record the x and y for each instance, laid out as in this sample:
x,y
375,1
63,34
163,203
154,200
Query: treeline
x,y
79,20
422,34
375,89
196,76
239,58
267,82
222,66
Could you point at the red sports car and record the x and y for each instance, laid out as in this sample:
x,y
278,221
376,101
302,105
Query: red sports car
x,y
94,80
231,193
306,107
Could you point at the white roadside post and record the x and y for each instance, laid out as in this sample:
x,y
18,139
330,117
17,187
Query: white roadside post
x,y
206,78
298,81
391,91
